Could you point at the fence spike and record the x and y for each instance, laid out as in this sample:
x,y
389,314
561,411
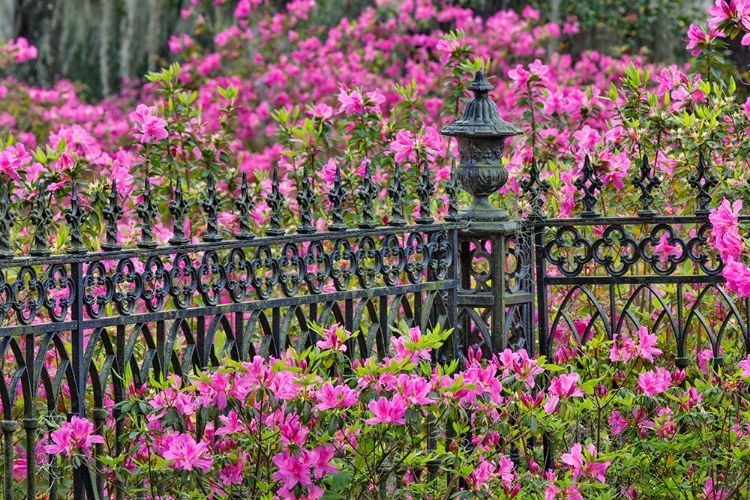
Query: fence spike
x,y
589,183
276,203
41,217
178,208
8,217
367,194
212,206
397,191
244,205
112,213
75,216
337,195
646,182
305,199
535,187
147,212
425,190
710,181
451,190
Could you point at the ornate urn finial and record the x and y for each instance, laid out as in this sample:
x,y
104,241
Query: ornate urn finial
x,y
481,135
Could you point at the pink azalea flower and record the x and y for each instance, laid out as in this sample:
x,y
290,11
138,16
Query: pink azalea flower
x,y
725,233
564,386
330,396
334,338
699,39
75,436
229,424
738,278
320,458
187,454
292,470
732,11
586,466
646,343
712,492
664,250
745,366
148,127
617,422
654,382
387,411
232,473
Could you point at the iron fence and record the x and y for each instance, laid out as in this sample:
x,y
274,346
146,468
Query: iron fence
x,y
77,328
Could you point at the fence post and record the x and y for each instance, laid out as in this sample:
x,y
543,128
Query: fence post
x,y
484,294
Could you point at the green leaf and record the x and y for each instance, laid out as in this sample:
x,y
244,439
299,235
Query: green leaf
x,y
342,480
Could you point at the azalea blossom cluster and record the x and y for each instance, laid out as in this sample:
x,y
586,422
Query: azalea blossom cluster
x,y
16,51
306,425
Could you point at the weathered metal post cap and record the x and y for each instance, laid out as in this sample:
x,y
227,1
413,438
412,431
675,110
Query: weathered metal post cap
x,y
481,117
481,135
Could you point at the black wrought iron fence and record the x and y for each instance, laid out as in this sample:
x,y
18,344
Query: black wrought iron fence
x,y
76,328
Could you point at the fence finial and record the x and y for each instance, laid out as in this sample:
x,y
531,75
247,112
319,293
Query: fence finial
x,y
75,216
425,190
212,206
306,199
367,194
112,213
337,195
535,187
709,181
589,183
646,182
178,208
275,203
244,205
8,217
451,190
397,191
41,217
147,212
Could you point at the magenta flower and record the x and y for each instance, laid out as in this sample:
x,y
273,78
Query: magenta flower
x,y
75,436
586,466
745,365
330,396
231,473
148,127
699,39
646,343
229,424
725,233
292,470
22,50
617,422
387,411
564,386
187,454
627,349
738,278
654,382
712,492
728,11
354,103
446,49
320,458
664,250
334,338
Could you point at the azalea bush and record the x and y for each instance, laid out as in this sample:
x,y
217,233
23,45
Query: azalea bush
x,y
621,423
